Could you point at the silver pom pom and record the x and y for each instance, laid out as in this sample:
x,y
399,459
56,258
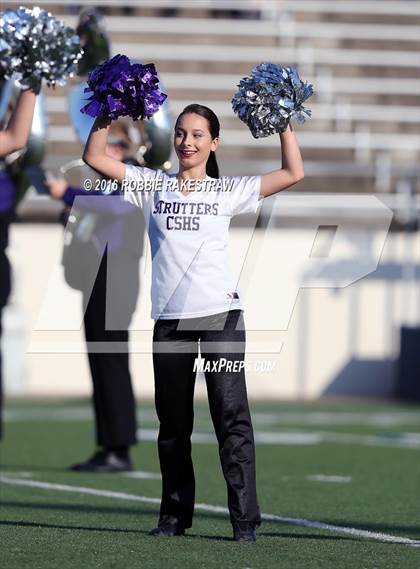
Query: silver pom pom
x,y
268,99
34,45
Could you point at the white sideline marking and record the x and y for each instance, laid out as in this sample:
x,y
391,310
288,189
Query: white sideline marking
x,y
216,509
322,418
401,440
261,438
79,489
327,478
310,418
20,474
63,414
141,474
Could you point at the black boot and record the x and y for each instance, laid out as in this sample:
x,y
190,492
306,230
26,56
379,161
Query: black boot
x,y
168,526
243,531
104,461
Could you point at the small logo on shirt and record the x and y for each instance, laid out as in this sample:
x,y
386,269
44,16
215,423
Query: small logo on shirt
x,y
233,295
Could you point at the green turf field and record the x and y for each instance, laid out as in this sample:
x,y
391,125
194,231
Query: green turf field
x,y
348,465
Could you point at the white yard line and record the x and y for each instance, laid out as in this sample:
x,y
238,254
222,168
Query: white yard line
x,y
210,508
328,478
402,440
298,437
379,418
142,475
82,413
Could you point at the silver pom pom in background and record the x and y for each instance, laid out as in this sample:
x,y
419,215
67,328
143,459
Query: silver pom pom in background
x,y
34,45
268,99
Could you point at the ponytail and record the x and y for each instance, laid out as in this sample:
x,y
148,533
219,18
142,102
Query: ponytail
x,y
212,168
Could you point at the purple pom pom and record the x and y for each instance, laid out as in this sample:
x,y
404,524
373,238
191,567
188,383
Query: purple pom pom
x,y
120,88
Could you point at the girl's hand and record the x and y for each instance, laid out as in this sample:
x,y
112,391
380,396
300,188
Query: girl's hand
x,y
56,186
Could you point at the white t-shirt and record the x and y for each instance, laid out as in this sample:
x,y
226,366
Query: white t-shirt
x,y
189,239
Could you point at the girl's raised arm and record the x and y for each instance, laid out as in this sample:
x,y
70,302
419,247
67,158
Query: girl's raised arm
x,y
291,171
16,134
95,156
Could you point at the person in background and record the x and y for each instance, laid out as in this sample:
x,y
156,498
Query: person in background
x,y
93,39
13,137
109,233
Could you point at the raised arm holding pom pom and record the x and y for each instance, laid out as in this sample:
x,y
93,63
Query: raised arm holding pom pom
x,y
118,88
34,46
95,151
15,135
291,171
266,102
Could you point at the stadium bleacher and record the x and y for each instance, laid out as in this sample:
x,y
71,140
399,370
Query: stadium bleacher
x,y
361,57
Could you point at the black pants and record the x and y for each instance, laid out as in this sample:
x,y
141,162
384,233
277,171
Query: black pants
x,y
113,398
174,353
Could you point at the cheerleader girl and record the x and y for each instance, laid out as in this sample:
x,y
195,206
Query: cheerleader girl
x,y
196,300
12,138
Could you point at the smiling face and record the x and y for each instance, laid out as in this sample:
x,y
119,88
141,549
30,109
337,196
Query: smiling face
x,y
193,141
